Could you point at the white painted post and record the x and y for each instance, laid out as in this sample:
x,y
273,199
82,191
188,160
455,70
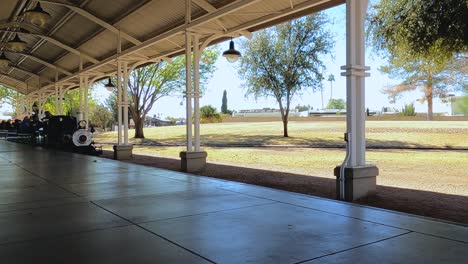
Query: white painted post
x,y
80,91
125,100
119,89
119,101
188,78
355,72
56,99
85,95
41,106
196,92
61,94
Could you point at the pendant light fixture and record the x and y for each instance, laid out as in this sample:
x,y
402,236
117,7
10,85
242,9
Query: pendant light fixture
x,y
16,44
232,55
109,85
37,15
4,61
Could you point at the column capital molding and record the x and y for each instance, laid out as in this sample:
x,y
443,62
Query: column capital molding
x,y
355,70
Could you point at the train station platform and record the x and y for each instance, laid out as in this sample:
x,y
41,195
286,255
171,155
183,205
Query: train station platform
x,y
58,207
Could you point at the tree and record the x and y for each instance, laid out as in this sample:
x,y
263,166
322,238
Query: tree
x,y
431,74
282,61
302,108
71,103
209,113
418,51
10,97
420,25
336,104
408,110
150,83
101,116
331,79
111,104
224,107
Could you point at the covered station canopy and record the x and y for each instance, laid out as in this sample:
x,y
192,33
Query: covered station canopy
x,y
48,47
82,36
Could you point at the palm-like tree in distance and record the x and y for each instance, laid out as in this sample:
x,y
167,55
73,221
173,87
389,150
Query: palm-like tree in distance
x,y
331,79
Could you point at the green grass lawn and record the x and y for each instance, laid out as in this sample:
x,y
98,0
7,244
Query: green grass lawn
x,y
438,171
446,134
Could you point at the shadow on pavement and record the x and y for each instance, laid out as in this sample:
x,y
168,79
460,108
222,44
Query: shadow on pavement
x,y
424,203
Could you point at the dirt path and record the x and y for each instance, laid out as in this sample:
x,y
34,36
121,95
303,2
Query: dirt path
x,y
425,203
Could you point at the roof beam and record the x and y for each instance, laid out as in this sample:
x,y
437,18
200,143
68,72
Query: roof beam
x,y
57,43
210,8
43,62
93,18
23,91
12,78
227,9
24,71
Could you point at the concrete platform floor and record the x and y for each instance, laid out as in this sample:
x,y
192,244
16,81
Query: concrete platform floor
x,y
60,207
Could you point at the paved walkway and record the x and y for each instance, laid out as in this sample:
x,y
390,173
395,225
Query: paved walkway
x,y
66,208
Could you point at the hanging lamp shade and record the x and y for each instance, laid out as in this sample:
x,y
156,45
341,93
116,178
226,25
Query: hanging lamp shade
x,y
37,15
4,61
16,44
232,55
109,85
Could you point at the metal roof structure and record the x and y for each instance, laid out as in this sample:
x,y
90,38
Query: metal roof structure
x,y
82,36
87,40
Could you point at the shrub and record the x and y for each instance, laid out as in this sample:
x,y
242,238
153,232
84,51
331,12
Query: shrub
x,y
408,110
209,114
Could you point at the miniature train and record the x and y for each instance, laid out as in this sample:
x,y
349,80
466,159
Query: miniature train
x,y
64,132
60,132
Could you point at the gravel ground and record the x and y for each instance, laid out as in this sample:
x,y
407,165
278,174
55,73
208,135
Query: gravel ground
x,y
441,205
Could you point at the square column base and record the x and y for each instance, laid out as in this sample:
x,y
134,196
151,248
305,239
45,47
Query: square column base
x,y
360,181
123,152
193,161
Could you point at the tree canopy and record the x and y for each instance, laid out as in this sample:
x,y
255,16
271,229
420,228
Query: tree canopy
x,y
336,104
150,83
420,25
224,107
425,43
284,60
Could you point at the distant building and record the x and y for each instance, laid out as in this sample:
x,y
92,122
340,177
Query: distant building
x,y
154,121
267,112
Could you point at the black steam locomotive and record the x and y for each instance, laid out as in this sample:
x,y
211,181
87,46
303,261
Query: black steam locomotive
x,y
64,132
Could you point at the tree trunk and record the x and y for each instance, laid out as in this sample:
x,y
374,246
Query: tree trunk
x,y
139,127
285,126
321,92
430,115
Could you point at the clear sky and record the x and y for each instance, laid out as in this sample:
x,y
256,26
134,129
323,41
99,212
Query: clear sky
x,y
226,78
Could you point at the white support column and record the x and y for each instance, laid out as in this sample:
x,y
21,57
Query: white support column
x,y
41,106
356,179
85,95
188,89
192,161
122,150
60,101
30,103
125,100
355,72
196,90
80,96
56,95
119,101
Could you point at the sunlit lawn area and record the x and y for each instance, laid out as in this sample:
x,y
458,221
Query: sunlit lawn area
x,y
439,171
379,134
